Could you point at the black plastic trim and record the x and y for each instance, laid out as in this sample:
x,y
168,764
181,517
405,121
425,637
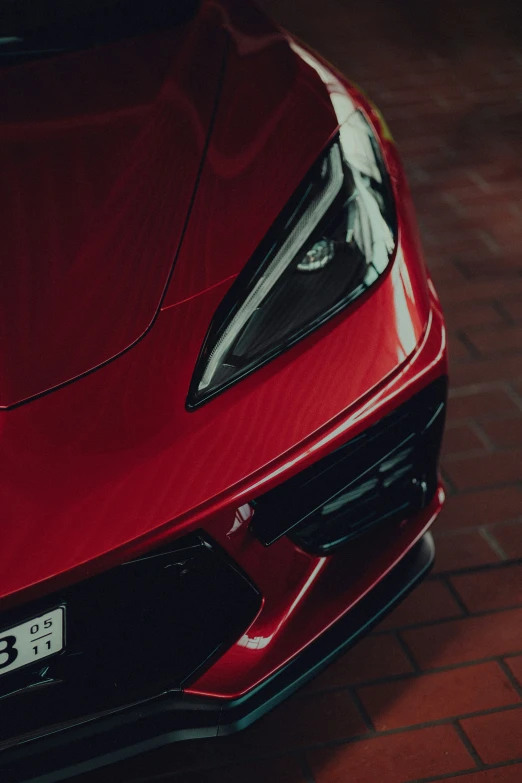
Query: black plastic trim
x,y
388,472
176,717
261,259
124,628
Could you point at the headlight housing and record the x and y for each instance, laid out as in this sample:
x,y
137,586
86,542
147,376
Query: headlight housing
x,y
333,240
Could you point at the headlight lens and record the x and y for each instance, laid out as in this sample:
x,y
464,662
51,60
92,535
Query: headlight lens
x,y
333,240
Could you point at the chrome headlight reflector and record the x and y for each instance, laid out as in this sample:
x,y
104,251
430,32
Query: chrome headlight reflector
x,y
333,240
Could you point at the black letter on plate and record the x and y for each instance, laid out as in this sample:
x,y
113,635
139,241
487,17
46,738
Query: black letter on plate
x,y
9,650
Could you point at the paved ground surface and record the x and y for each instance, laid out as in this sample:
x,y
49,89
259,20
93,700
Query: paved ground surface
x,y
436,692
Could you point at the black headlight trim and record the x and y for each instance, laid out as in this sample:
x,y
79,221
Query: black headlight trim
x,y
264,255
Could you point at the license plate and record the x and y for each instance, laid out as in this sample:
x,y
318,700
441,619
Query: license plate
x,y
31,641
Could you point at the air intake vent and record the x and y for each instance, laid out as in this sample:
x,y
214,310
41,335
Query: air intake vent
x,y
385,474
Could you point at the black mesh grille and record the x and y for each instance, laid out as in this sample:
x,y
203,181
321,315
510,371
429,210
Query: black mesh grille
x,y
386,473
134,632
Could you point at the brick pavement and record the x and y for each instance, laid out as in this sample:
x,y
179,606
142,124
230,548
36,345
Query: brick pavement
x,y
435,693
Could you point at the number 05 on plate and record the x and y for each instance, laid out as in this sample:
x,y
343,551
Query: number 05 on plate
x,y
31,641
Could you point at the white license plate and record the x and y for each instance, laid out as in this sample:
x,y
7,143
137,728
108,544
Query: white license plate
x,y
31,641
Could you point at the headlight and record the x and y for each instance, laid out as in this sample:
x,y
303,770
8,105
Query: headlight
x,y
333,240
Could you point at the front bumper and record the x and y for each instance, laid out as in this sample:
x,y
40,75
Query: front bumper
x,y
312,609
172,717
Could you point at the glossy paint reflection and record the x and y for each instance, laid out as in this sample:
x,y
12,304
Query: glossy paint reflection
x,y
258,153
99,152
109,466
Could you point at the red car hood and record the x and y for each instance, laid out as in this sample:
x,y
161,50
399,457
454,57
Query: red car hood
x,y
99,156
115,457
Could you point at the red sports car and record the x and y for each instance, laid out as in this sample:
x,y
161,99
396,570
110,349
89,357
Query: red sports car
x,y
223,375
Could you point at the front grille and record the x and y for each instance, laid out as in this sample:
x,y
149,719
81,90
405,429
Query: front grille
x,y
385,474
133,632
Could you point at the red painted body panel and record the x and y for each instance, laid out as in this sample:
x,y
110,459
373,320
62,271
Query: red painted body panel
x,y
317,592
99,153
113,464
304,595
114,456
271,102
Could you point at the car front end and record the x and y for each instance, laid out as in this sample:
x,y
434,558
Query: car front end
x,y
220,459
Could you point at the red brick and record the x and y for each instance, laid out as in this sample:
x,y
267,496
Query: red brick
x,y
431,697
506,368
461,438
500,95
510,538
422,145
509,244
405,97
482,507
483,290
430,601
479,404
510,774
438,251
513,308
495,173
307,720
462,550
446,276
446,181
486,590
411,124
506,232
395,758
478,268
471,314
505,433
515,664
445,216
457,350
423,108
502,339
496,737
445,220
516,387
485,469
456,245
482,191
468,639
490,214
372,658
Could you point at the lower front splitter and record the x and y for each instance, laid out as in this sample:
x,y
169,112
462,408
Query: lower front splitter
x,y
174,717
